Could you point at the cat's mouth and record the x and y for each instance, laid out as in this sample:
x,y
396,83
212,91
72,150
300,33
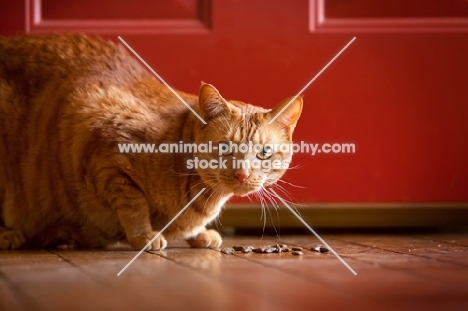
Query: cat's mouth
x,y
243,190
236,188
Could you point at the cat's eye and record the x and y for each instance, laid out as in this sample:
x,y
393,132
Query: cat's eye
x,y
265,153
224,148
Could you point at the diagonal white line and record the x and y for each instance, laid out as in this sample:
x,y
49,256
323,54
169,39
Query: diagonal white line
x,y
161,231
313,79
315,233
162,80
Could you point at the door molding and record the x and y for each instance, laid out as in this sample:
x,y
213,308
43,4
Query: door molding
x,y
318,22
35,23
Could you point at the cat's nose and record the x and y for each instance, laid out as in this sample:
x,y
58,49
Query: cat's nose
x,y
241,175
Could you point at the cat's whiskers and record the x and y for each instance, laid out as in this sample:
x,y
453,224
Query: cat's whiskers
x,y
268,196
259,195
285,192
293,204
291,184
271,197
213,191
295,167
184,174
195,185
222,194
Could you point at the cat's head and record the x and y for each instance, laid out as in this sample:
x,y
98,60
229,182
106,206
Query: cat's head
x,y
240,131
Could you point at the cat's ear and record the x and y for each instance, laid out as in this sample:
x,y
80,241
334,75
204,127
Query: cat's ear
x,y
286,113
211,102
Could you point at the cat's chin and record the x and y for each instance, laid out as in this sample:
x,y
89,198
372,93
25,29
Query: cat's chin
x,y
242,191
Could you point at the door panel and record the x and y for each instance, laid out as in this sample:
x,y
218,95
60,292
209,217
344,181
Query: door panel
x,y
119,16
357,16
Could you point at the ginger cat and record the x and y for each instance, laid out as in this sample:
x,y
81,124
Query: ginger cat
x,y
67,101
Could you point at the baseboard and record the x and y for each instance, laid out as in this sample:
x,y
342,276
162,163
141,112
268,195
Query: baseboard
x,y
352,215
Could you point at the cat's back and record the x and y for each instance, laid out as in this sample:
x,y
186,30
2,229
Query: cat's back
x,y
46,81
35,58
34,69
74,50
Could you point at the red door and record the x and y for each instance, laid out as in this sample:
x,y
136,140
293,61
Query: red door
x,y
399,92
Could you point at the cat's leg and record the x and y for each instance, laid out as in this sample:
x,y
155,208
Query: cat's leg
x,y
132,209
11,239
136,222
206,238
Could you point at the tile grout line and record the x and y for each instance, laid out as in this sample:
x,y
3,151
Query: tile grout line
x,y
411,254
451,243
201,272
20,296
78,267
319,282
371,264
259,263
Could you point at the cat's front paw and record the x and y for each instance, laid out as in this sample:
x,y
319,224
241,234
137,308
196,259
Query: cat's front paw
x,y
139,242
12,239
208,238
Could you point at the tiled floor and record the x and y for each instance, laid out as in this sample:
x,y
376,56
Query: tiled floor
x,y
394,272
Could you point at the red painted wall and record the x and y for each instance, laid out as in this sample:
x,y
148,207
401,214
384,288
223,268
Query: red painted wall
x,y
399,92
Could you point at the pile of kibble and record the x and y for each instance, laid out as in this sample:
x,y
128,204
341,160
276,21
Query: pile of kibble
x,y
277,248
